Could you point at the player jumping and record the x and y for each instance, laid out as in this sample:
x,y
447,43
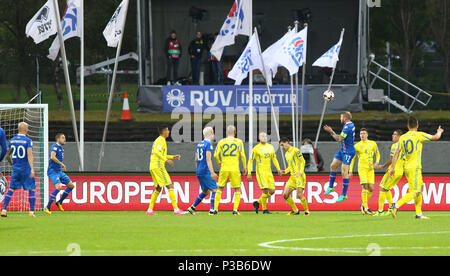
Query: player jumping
x,y
410,144
227,155
20,156
55,172
344,156
205,171
159,173
264,155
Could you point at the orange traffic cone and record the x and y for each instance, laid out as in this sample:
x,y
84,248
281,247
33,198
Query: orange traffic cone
x,y
126,115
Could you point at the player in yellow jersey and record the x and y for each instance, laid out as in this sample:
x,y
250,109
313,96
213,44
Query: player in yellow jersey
x,y
410,144
297,181
387,183
227,154
264,155
365,151
159,174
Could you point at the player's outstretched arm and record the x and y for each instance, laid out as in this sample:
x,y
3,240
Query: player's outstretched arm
x,y
8,156
31,161
438,134
394,161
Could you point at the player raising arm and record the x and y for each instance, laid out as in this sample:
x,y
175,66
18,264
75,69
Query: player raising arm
x,y
410,144
159,173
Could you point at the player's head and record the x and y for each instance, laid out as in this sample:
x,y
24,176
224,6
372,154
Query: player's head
x,y
60,138
208,133
413,123
231,130
346,117
363,134
23,128
262,137
307,141
284,143
396,135
164,131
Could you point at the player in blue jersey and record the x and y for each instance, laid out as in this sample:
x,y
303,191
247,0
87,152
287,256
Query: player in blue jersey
x,y
3,144
205,171
20,156
55,172
344,156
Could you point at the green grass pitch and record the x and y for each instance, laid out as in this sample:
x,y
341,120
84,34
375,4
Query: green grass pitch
x,y
134,233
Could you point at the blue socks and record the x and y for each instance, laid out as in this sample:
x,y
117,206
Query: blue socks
x,y
65,194
213,196
346,182
199,199
32,200
332,179
7,199
52,198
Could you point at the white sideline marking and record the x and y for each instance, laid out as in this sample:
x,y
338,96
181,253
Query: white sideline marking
x,y
350,250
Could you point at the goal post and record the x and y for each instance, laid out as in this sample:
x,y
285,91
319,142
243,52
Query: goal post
x,y
36,116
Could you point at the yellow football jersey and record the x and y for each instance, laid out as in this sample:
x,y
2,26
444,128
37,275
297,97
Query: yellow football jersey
x,y
365,150
159,154
295,160
263,154
410,144
228,152
401,158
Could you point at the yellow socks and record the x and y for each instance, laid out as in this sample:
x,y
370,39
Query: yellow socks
x,y
418,204
217,199
264,198
405,199
369,195
305,204
153,200
291,203
237,199
381,200
389,197
173,199
364,198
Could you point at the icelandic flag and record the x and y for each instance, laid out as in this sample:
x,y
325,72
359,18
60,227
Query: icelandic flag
x,y
250,59
330,58
269,56
238,21
43,23
69,25
292,53
114,29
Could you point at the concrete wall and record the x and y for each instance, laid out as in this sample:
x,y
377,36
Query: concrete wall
x,y
135,156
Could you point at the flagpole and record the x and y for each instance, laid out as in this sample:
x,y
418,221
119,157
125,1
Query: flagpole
x,y
296,97
325,102
81,26
292,105
302,104
105,131
272,111
250,88
66,75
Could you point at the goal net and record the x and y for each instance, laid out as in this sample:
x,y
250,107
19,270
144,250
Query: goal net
x,y
36,116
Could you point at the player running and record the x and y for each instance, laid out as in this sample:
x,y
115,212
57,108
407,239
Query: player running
x,y
20,156
387,183
205,170
297,181
344,156
55,172
159,173
227,155
365,150
410,144
264,155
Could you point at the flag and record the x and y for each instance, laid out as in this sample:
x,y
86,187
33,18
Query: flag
x,y
268,55
69,25
330,58
292,54
238,22
114,29
250,59
43,23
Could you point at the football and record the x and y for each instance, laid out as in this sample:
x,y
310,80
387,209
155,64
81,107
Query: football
x,y
328,95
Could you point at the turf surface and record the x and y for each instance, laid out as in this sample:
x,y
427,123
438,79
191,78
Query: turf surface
x,y
133,233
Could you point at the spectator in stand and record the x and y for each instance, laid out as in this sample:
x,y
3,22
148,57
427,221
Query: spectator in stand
x,y
196,49
307,147
173,52
216,65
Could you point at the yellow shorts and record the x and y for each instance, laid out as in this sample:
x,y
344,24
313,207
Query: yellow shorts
x,y
295,183
265,180
160,177
388,182
415,181
366,176
234,177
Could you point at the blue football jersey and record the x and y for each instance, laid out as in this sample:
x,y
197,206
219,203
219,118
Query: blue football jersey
x,y
348,132
19,146
202,148
3,144
59,150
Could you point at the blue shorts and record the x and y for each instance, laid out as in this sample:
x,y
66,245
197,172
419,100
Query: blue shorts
x,y
345,157
206,182
58,177
21,179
